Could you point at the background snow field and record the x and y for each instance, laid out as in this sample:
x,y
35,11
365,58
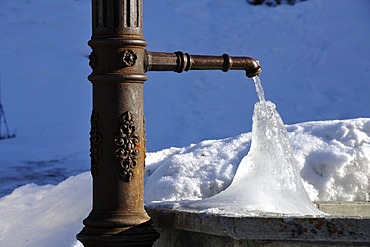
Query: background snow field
x,y
316,70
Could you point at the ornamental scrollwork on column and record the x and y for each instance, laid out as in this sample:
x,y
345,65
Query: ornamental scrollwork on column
x,y
93,61
95,141
127,142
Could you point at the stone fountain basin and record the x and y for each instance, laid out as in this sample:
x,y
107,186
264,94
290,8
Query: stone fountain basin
x,y
347,225
345,208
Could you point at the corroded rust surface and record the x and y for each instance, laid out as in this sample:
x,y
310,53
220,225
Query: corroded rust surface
x,y
119,63
118,217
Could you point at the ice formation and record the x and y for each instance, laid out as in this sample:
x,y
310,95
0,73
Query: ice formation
x,y
267,179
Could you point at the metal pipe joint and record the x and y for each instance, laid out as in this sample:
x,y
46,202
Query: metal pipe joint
x,y
179,62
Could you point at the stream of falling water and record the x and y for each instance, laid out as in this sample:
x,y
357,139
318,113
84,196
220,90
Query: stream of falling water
x,y
259,88
267,179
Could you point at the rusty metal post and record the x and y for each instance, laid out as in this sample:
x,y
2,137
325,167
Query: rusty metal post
x,y
119,62
118,217
179,62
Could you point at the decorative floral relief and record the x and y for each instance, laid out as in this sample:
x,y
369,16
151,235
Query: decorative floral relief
x,y
95,140
129,58
127,146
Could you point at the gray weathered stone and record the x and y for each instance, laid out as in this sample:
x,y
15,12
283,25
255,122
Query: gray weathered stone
x,y
191,228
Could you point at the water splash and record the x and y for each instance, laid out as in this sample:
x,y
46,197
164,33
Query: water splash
x,y
267,179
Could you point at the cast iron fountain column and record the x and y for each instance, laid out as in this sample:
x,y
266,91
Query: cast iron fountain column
x,y
118,217
119,62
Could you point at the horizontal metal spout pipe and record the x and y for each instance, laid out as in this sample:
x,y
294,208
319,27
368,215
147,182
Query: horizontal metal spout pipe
x,y
179,62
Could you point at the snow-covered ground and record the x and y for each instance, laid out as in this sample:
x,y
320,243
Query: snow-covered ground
x,y
315,67
333,156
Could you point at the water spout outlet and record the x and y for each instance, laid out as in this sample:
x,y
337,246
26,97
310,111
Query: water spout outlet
x,y
179,62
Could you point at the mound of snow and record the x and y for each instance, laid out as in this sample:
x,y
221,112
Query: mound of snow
x,y
333,158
